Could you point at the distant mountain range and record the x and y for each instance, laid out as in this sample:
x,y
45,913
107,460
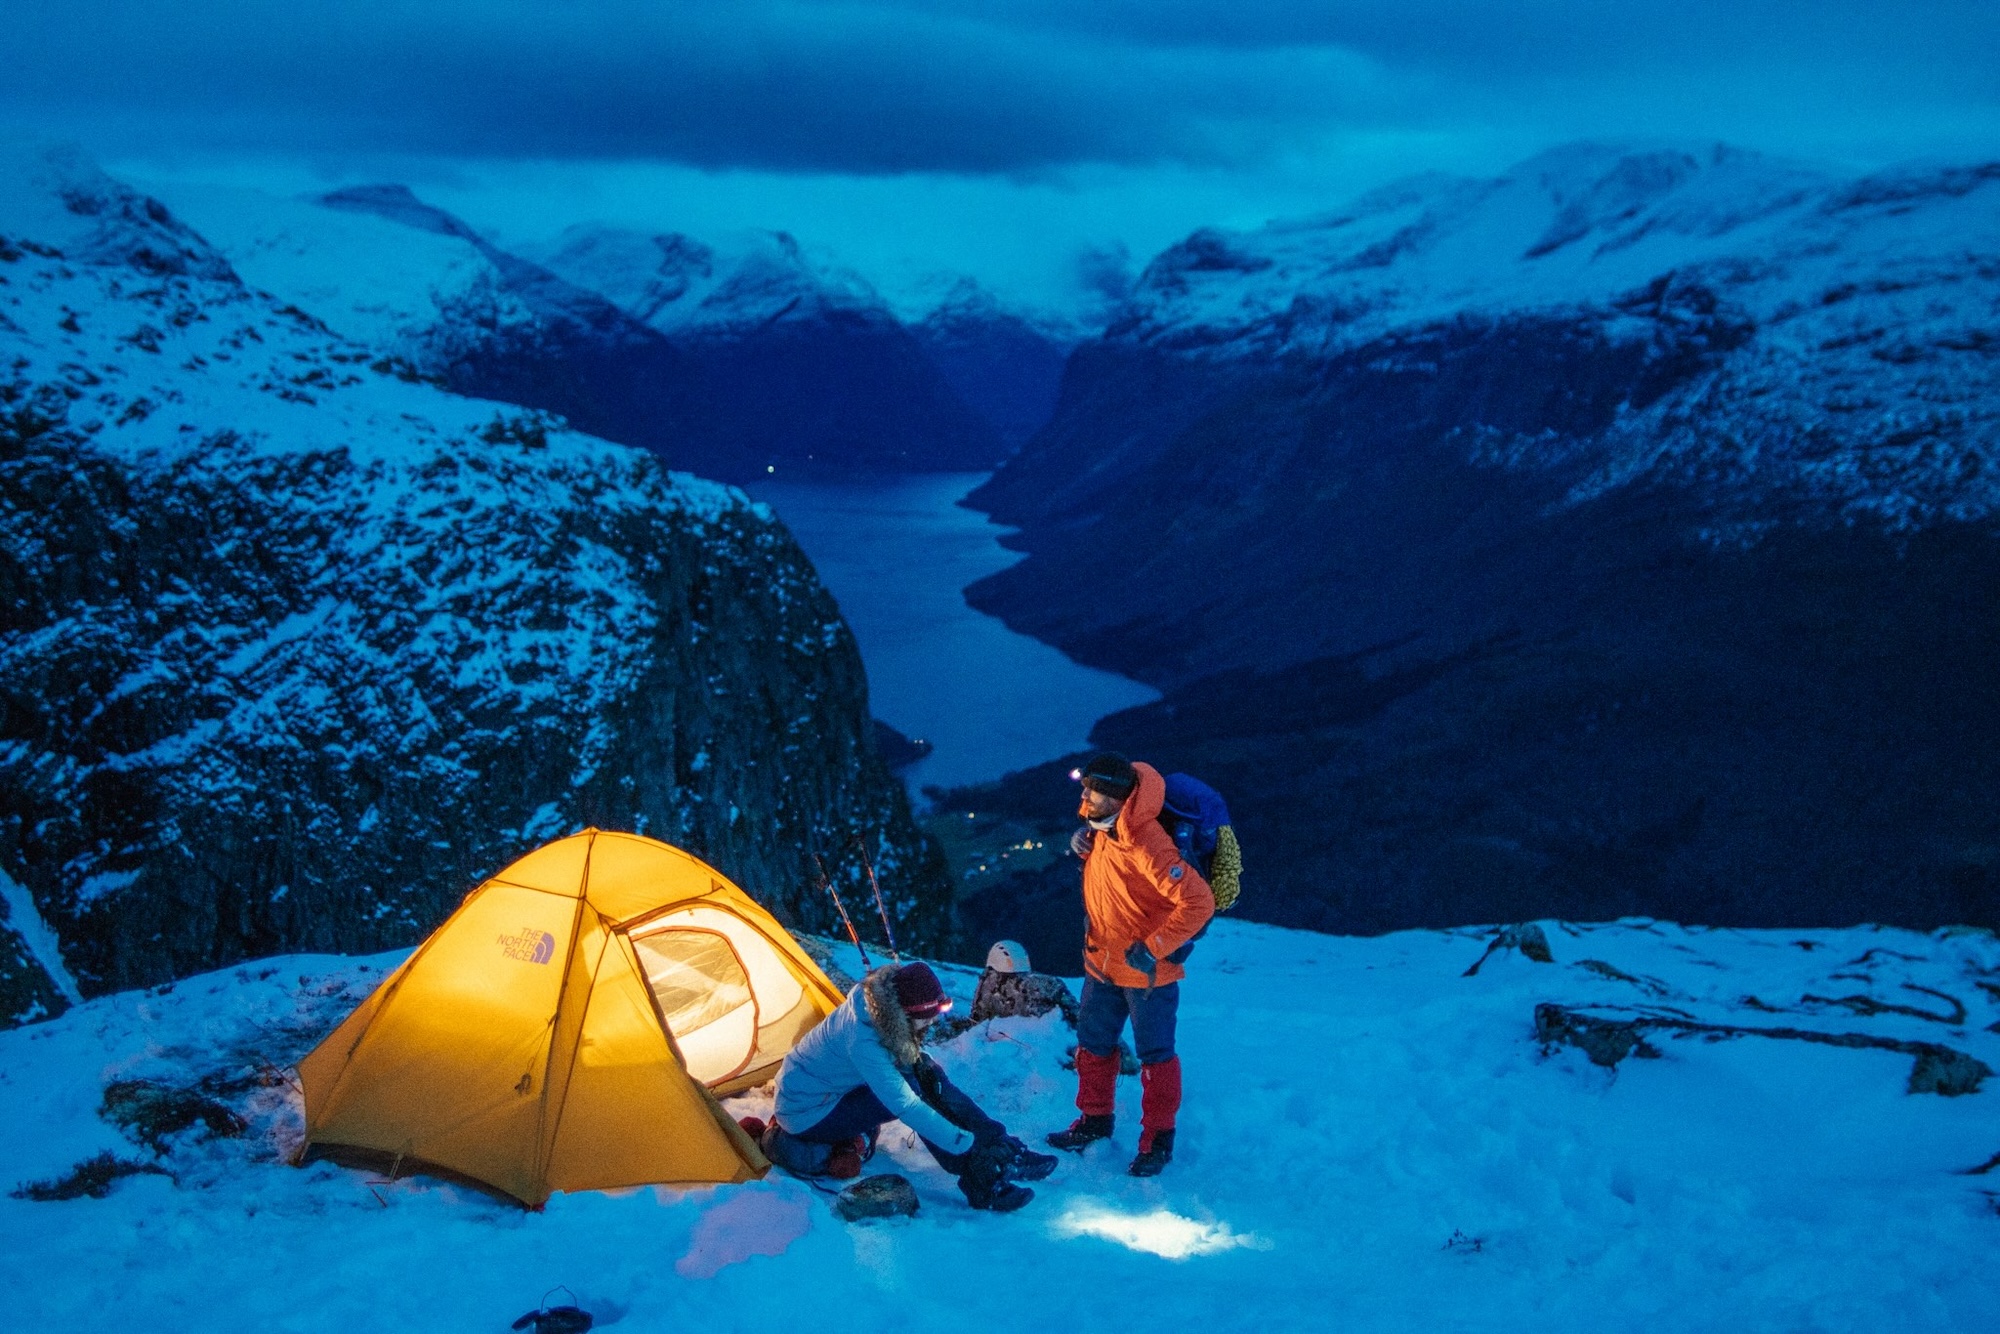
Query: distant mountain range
x,y
295,646
734,361
1614,536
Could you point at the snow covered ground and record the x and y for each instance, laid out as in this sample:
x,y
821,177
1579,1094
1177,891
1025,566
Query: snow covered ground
x,y
1372,1140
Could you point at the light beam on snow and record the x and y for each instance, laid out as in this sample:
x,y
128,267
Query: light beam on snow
x,y
1160,1232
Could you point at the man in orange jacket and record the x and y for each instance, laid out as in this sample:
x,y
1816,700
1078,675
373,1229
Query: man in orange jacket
x,y
1144,903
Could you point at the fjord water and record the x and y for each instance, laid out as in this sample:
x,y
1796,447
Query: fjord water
x,y
897,554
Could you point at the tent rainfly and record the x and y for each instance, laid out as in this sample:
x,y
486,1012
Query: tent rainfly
x,y
570,1027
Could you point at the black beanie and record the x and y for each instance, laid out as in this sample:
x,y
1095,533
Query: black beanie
x,y
1112,774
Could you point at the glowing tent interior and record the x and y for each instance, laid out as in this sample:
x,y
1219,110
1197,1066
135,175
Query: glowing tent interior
x,y
569,1027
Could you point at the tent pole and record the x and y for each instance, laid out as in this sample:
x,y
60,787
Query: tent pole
x,y
827,881
888,933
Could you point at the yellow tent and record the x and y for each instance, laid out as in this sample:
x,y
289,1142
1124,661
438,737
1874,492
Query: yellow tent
x,y
568,1027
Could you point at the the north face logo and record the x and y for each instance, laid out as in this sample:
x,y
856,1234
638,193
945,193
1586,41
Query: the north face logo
x,y
529,946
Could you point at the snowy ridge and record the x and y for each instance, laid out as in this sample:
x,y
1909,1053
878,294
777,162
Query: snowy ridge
x,y
1852,324
379,283
1370,1139
735,286
730,360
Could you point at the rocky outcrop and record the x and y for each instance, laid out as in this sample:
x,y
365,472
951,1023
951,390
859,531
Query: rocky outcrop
x,y
1937,1068
1602,539
295,650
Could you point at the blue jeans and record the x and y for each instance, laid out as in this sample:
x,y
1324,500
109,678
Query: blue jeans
x,y
1101,1017
860,1112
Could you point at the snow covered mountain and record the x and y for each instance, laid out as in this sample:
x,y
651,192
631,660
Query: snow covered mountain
x,y
767,361
1828,318
296,646
380,267
798,359
1604,537
1007,365
1371,1141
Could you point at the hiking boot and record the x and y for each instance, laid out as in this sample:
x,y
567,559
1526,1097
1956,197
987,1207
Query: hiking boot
x,y
844,1163
1156,1150
1027,1165
1003,1198
983,1178
1083,1132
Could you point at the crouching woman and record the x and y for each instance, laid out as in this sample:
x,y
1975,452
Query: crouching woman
x,y
865,1066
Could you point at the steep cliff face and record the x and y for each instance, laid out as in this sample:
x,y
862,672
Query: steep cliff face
x,y
294,650
1614,537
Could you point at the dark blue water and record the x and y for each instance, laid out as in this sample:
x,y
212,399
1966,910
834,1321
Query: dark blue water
x,y
898,556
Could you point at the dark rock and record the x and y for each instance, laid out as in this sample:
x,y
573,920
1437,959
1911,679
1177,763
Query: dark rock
x,y
1937,1069
1947,1071
92,1178
884,1196
1527,937
1498,704
1605,1041
153,1113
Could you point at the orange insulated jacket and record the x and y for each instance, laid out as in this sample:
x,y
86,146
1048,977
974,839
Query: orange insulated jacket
x,y
1136,887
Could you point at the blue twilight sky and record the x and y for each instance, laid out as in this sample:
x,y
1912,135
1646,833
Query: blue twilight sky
x,y
1039,145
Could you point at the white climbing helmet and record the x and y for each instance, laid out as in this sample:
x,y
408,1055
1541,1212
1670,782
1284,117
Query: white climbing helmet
x,y
1008,956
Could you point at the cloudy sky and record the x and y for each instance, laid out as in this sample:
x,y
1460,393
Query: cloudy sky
x,y
1028,141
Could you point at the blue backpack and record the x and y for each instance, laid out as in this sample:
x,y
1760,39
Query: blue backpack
x,y
1194,812
1197,819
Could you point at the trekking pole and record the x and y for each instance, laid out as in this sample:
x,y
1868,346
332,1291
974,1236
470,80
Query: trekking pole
x,y
847,921
880,910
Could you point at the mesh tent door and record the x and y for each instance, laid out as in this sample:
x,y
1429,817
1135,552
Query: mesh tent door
x,y
779,1009
704,996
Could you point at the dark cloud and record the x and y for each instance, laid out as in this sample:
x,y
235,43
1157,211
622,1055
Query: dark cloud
x,y
955,85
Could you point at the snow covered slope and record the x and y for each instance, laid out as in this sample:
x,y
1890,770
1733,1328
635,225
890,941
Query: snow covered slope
x,y
1611,536
294,645
410,282
1784,324
682,285
725,362
1372,1141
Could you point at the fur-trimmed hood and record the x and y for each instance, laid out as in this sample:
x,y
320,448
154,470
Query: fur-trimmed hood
x,y
886,1017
